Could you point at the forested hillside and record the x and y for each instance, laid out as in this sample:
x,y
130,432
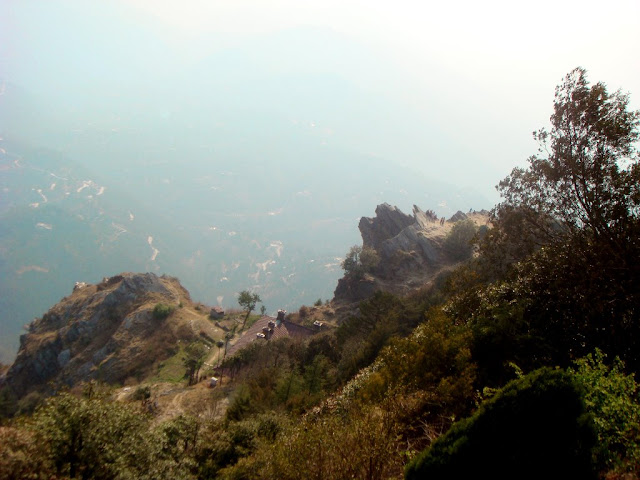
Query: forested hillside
x,y
519,362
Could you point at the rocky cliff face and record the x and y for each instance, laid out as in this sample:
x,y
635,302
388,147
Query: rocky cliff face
x,y
410,247
105,331
388,222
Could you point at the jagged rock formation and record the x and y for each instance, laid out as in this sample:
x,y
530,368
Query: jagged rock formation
x,y
105,331
388,222
410,247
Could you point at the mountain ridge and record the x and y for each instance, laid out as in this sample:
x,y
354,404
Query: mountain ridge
x,y
108,331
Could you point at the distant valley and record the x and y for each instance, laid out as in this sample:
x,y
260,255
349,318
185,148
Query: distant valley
x,y
219,223
225,172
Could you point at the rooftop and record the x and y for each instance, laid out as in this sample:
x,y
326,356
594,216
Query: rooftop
x,y
265,329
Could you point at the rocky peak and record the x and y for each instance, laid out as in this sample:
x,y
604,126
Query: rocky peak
x,y
388,222
410,247
391,231
106,331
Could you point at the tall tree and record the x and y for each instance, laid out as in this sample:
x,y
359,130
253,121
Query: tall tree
x,y
248,302
585,184
569,224
194,356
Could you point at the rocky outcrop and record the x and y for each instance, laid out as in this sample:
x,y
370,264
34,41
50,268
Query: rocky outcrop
x,y
458,216
354,290
410,248
402,239
388,222
105,331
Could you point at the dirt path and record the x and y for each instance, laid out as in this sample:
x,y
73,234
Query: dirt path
x,y
195,400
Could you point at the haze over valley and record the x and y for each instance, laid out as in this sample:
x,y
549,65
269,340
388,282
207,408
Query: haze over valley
x,y
237,147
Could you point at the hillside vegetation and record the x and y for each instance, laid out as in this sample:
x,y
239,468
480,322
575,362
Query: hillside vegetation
x,y
513,356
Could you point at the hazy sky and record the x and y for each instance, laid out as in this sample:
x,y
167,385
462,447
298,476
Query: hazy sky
x,y
482,72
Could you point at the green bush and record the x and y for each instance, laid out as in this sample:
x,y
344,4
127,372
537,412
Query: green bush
x,y
611,396
361,444
434,360
535,427
94,438
142,393
360,260
459,240
162,311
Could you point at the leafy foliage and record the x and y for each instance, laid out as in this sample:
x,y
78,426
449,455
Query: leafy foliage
x,y
588,182
162,311
282,375
435,360
361,337
8,403
503,331
221,446
565,237
458,241
94,438
194,356
535,426
612,397
22,456
362,444
360,260
142,393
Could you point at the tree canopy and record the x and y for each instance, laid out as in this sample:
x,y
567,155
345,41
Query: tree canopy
x,y
585,179
360,260
566,233
459,240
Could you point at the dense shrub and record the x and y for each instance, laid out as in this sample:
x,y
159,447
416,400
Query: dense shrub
x,y
535,427
360,260
435,360
458,242
611,396
94,438
361,337
142,393
162,311
23,456
221,445
360,444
